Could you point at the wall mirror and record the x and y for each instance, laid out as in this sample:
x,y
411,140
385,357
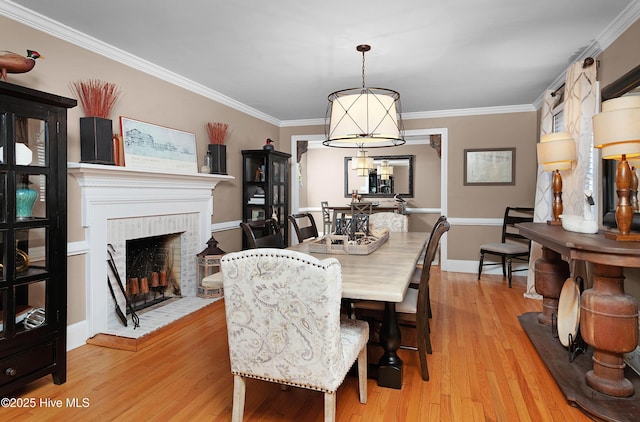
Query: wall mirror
x,y
628,84
374,185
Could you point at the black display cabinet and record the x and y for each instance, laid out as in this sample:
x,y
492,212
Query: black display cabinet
x,y
33,236
265,188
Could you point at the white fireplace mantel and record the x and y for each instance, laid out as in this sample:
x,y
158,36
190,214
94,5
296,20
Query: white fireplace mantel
x,y
112,192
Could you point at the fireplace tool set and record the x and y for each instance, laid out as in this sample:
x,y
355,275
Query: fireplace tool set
x,y
112,266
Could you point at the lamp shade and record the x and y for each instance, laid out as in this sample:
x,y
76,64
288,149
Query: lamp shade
x,y
385,170
364,117
361,163
616,130
556,151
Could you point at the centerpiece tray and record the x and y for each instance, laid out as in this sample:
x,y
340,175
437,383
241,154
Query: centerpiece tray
x,y
341,245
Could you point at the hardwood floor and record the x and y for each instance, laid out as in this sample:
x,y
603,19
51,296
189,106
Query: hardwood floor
x,y
483,367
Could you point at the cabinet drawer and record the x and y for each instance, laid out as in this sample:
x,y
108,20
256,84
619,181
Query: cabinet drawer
x,y
24,363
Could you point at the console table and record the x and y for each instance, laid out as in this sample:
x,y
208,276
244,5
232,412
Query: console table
x,y
608,323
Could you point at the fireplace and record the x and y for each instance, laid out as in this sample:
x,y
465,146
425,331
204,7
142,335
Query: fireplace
x,y
121,205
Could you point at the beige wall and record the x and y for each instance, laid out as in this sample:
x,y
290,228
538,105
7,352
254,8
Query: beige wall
x,y
150,99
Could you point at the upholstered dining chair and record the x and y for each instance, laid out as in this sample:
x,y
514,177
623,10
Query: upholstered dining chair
x,y
304,232
284,325
263,234
415,309
326,217
513,246
392,221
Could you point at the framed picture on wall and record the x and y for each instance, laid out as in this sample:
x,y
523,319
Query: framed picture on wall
x,y
490,166
152,147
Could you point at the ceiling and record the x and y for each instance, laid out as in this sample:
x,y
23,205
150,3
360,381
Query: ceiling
x,y
283,57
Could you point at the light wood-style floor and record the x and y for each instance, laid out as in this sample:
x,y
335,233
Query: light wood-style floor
x,y
483,367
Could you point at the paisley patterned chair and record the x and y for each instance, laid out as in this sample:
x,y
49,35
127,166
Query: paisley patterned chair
x,y
284,325
389,220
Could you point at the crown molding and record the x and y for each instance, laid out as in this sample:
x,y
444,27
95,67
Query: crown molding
x,y
621,23
54,28
65,33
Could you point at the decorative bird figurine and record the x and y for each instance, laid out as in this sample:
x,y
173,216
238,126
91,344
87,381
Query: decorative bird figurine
x,y
15,63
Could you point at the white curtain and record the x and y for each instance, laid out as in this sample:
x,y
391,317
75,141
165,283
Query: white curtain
x,y
544,194
580,101
579,108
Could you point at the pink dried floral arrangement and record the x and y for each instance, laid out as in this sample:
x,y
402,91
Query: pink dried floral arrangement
x,y
97,97
217,132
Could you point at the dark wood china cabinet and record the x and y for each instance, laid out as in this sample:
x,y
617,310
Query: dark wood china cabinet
x,y
265,188
33,236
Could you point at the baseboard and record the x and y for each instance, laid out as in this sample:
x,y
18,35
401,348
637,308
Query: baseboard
x,y
77,335
465,266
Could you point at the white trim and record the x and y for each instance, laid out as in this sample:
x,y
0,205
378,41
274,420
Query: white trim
x,y
225,225
476,221
467,266
478,111
77,334
80,247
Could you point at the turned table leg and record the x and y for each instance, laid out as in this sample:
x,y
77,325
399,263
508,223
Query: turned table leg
x,y
609,323
390,364
551,273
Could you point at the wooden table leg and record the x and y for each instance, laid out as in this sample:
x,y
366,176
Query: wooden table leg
x,y
550,274
609,323
390,364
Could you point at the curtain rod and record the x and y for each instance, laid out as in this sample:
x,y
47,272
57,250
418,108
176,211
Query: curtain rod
x,y
586,63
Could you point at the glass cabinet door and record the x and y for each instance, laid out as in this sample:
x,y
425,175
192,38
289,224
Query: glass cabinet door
x,y
24,181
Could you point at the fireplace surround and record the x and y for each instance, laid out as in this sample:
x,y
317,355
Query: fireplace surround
x,y
119,204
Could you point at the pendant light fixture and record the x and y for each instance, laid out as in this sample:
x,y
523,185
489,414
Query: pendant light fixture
x,y
359,117
362,163
385,171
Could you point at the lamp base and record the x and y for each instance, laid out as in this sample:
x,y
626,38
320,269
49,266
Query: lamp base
x,y
631,237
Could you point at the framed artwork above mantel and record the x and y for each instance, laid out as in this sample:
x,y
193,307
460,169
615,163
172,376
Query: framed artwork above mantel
x,y
153,147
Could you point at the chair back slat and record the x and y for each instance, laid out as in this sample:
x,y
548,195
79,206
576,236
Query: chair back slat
x,y
303,233
263,234
513,216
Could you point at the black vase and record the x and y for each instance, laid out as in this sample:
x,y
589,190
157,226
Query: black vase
x,y
219,154
96,140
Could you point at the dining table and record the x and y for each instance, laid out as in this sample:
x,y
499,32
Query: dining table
x,y
383,275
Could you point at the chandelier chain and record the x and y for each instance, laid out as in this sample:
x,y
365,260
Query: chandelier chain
x,y
363,51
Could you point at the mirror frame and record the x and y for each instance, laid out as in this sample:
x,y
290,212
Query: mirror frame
x,y
347,166
624,84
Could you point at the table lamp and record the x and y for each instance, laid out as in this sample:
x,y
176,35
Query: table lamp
x,y
634,163
556,151
616,131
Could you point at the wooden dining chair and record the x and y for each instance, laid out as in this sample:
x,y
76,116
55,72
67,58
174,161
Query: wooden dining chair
x,y
284,325
326,217
414,310
513,246
361,208
263,234
309,231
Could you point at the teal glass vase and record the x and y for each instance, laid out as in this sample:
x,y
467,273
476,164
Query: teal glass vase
x,y
25,199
